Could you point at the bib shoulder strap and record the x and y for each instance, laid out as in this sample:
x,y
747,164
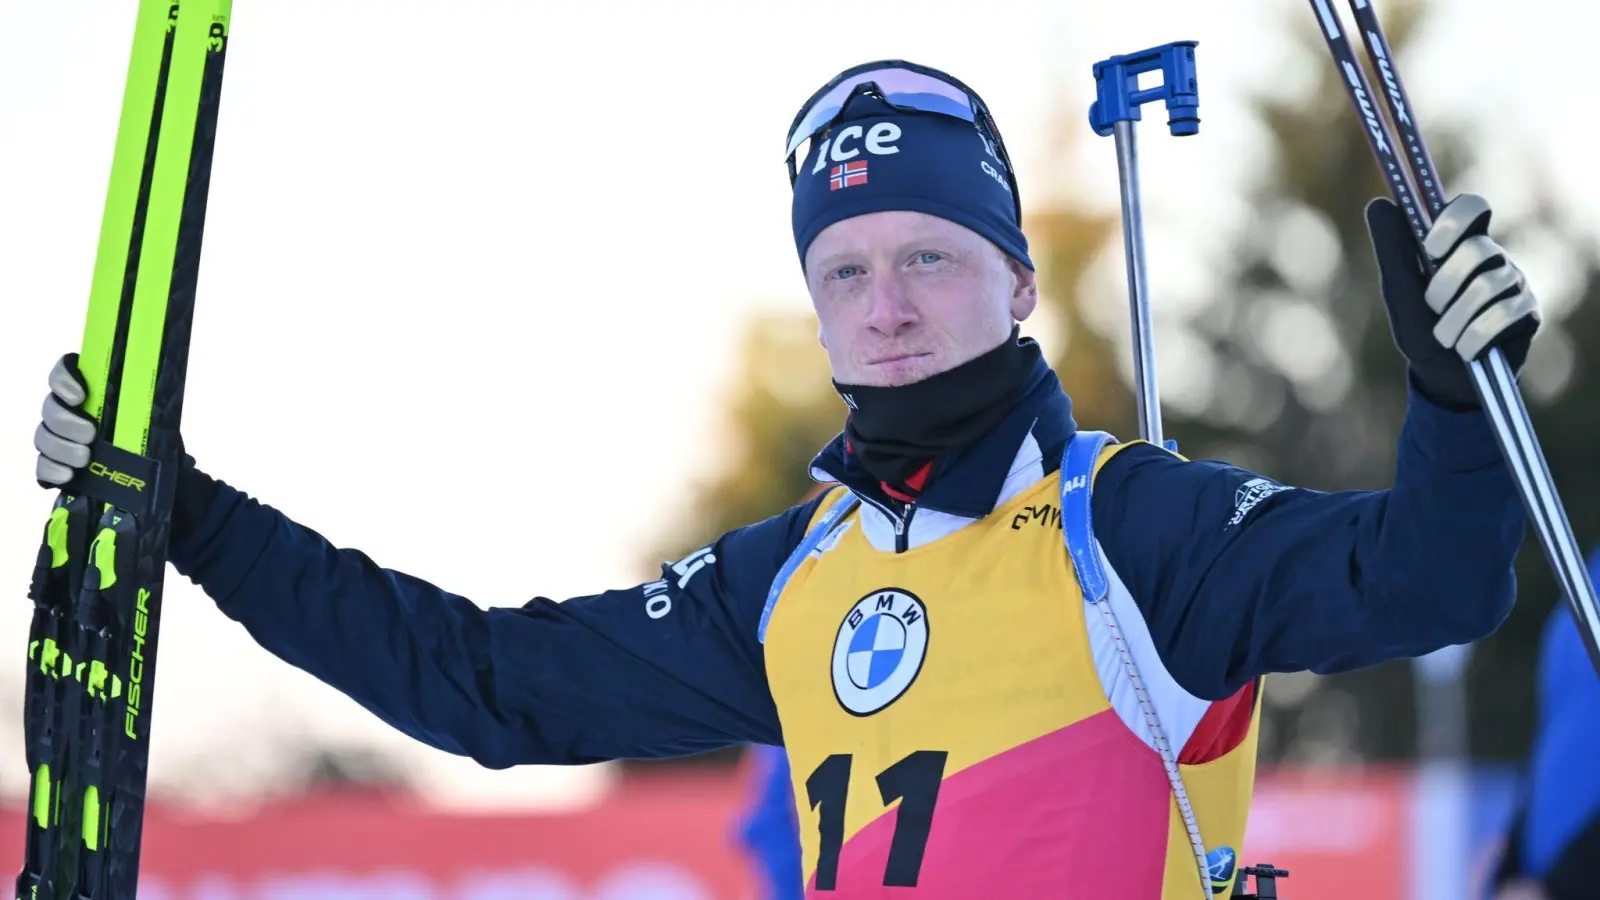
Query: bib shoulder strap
x,y
835,511
1077,526
1077,483
1077,529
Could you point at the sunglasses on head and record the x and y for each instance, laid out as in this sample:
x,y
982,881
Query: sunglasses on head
x,y
904,86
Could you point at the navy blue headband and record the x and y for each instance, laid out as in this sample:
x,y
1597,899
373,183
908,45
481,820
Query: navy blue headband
x,y
876,158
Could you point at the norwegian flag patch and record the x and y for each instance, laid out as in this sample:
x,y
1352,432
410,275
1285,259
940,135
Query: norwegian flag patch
x,y
848,174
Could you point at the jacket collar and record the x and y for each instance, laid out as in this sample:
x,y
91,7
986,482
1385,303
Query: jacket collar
x,y
969,482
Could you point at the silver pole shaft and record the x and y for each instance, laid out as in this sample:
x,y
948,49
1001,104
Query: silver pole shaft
x,y
1502,402
1144,356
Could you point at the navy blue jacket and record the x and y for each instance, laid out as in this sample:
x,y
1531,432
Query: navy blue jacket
x,y
1234,583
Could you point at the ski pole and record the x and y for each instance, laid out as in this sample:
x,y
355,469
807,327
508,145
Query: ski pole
x,y
1115,109
1492,378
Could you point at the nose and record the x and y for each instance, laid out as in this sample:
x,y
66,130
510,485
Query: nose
x,y
890,311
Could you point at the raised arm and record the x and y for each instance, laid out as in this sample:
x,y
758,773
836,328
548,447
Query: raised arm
x,y
1238,576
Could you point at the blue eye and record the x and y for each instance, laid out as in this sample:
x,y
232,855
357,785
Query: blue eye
x,y
847,271
929,257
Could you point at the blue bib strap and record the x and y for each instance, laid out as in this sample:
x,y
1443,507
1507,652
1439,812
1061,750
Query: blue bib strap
x,y
1077,528
835,514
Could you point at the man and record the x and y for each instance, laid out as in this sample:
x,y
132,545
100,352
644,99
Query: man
x,y
1006,658
1553,849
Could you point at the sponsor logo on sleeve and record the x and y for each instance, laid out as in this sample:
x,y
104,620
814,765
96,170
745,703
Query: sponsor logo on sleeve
x,y
1249,496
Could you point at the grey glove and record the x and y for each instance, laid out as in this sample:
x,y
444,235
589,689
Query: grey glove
x,y
65,433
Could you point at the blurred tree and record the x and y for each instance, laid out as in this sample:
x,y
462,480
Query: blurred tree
x,y
325,768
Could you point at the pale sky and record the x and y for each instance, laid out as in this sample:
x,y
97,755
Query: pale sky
x,y
520,240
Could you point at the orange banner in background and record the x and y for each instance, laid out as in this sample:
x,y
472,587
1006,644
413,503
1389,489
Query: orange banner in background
x,y
661,837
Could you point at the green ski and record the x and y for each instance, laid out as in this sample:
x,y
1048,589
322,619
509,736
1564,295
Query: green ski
x,y
98,578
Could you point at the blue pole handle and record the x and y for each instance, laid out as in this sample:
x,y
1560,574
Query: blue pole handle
x,y
1118,97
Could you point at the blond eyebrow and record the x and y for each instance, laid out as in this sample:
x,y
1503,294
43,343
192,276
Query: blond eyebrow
x,y
833,259
904,247
947,243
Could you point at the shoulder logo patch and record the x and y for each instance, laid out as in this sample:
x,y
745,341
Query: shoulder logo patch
x,y
879,649
1249,496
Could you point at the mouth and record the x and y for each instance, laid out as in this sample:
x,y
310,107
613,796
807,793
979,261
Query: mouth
x,y
894,358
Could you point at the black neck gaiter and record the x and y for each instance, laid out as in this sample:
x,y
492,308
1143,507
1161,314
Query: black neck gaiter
x,y
895,431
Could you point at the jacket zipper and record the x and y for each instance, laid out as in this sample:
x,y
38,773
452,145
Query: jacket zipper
x,y
902,527
902,522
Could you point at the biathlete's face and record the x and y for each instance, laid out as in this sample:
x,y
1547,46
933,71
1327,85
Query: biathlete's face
x,y
903,295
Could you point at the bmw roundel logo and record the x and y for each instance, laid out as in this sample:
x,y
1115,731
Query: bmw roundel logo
x,y
879,650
